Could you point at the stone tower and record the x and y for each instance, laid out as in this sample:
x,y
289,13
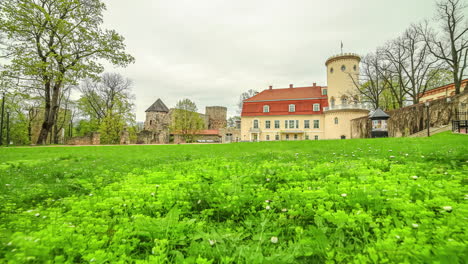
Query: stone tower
x,y
343,100
157,122
217,117
341,70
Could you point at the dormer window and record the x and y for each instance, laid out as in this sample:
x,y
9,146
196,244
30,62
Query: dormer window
x,y
292,108
316,107
266,109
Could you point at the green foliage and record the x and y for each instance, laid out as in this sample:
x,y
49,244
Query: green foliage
x,y
185,120
399,200
110,129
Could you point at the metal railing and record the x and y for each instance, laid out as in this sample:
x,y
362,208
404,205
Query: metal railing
x,y
364,106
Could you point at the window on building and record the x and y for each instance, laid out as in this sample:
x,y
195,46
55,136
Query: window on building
x,y
287,136
307,137
332,101
336,120
306,123
267,137
286,124
266,109
316,137
316,107
267,124
291,123
331,70
295,136
316,123
343,68
324,91
292,108
276,137
344,100
297,123
255,124
277,124
343,137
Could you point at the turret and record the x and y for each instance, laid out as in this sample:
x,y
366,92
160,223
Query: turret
x,y
341,70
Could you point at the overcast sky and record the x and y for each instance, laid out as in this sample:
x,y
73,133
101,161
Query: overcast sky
x,y
211,51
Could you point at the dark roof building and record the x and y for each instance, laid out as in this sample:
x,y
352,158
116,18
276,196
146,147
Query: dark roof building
x,y
158,106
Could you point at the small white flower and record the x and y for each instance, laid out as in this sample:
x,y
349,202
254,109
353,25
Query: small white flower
x,y
37,215
268,207
152,194
44,217
406,154
274,240
90,194
344,195
447,208
267,201
414,177
157,185
284,210
93,259
267,179
7,185
397,236
124,205
392,157
390,150
199,202
9,243
415,225
422,157
212,242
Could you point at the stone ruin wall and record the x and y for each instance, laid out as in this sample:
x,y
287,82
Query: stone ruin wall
x,y
217,117
89,139
412,119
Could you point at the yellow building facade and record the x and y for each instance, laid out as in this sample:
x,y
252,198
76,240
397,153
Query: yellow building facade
x,y
307,113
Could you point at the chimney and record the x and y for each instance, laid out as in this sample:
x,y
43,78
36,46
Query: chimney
x,y
271,87
290,86
315,84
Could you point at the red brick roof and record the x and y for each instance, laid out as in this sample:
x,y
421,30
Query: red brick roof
x,y
288,94
201,132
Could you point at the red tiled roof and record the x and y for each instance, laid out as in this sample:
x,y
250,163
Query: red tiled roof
x,y
288,94
201,132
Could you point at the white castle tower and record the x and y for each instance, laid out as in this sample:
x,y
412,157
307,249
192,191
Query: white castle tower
x,y
343,100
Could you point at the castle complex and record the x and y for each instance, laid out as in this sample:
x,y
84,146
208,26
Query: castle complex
x,y
313,112
158,121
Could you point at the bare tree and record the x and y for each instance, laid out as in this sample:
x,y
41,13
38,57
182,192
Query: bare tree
x,y
451,43
369,84
111,95
393,56
245,96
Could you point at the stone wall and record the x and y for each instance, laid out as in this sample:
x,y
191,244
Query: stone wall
x,y
217,117
361,127
89,139
412,119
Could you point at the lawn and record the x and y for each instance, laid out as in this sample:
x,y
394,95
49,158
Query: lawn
x,y
399,200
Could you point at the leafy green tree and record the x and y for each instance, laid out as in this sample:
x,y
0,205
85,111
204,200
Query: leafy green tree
x,y
108,105
56,42
185,120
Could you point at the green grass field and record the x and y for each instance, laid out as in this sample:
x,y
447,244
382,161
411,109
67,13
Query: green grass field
x,y
345,201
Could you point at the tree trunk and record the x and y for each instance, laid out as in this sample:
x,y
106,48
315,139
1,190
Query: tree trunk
x,y
50,112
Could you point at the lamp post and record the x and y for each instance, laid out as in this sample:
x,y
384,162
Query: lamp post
x,y
428,119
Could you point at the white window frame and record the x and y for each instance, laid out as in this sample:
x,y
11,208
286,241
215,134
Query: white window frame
x,y
316,137
317,122
277,124
292,108
306,123
267,124
266,109
316,107
336,121
256,124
